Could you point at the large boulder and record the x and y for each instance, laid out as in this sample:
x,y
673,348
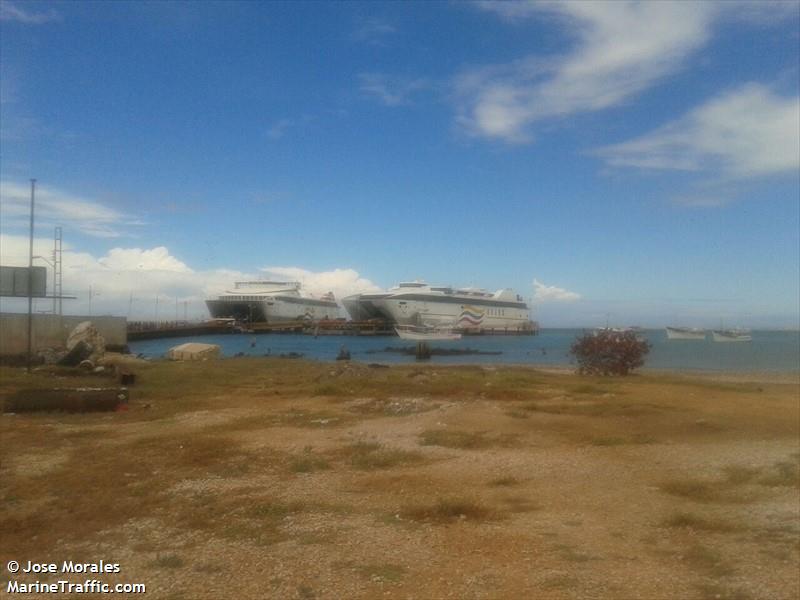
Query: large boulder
x,y
194,351
87,333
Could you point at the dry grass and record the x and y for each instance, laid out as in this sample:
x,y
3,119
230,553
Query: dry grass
x,y
464,440
700,523
210,462
707,559
505,481
382,572
308,462
369,456
448,510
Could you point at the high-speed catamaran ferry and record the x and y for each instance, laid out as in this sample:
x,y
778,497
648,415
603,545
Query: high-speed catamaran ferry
x,y
417,303
270,301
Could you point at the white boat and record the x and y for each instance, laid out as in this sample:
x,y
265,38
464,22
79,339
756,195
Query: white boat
x,y
424,333
685,333
270,301
731,335
416,302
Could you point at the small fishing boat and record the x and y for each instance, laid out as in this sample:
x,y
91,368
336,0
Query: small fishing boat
x,y
425,333
685,333
731,335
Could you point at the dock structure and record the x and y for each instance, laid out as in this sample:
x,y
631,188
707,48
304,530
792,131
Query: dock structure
x,y
138,330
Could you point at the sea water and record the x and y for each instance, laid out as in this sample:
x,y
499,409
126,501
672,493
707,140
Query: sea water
x,y
768,351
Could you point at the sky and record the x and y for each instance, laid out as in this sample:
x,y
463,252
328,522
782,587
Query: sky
x,y
636,163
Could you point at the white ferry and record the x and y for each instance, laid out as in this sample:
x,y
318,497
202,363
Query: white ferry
x,y
270,301
417,303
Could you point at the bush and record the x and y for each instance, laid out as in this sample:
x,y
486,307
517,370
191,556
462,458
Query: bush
x,y
609,352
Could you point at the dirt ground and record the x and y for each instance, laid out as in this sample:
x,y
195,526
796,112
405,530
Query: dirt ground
x,y
270,478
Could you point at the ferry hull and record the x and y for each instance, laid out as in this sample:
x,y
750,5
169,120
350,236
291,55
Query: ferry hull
x,y
273,310
461,314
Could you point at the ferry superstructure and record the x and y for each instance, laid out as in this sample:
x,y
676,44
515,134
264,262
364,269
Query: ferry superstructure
x,y
270,301
417,303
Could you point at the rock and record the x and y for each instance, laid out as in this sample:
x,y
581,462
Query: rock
x,y
194,351
78,353
344,353
87,333
51,356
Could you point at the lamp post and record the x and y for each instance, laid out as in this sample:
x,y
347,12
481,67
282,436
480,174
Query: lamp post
x,y
30,282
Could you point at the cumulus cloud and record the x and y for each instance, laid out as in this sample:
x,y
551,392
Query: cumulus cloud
x,y
54,206
11,11
551,293
746,132
342,282
143,283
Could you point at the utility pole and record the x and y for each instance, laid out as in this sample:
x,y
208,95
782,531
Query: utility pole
x,y
30,281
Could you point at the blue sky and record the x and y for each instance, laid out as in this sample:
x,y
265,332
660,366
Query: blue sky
x,y
636,162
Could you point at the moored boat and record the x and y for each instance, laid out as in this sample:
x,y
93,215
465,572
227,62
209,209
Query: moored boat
x,y
470,310
685,333
423,333
731,335
271,301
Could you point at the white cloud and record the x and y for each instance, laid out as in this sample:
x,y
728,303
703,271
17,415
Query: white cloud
x,y
622,49
551,293
372,30
137,282
746,132
342,282
9,11
55,206
392,91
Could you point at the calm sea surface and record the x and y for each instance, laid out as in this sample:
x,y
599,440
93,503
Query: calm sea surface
x,y
769,350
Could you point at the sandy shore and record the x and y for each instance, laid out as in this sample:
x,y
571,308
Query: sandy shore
x,y
267,478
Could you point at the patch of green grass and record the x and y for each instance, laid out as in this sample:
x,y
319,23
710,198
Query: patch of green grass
x,y
383,572
447,510
371,455
699,523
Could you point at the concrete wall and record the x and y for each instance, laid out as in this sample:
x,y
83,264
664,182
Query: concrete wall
x,y
51,331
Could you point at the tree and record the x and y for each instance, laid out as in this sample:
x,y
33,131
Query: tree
x,y
608,352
